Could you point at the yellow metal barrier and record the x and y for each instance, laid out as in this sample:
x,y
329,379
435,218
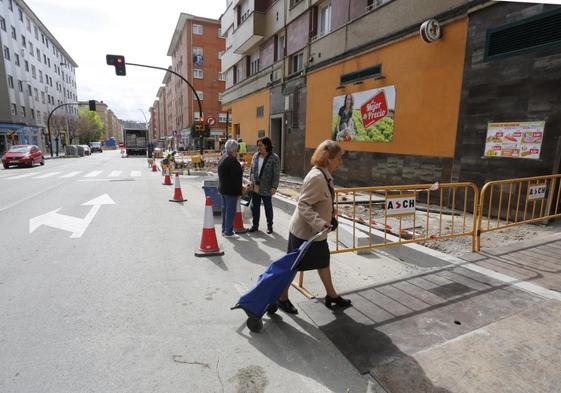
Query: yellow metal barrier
x,y
375,217
506,203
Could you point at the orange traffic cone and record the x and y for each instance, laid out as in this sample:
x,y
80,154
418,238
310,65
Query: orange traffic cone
x,y
167,179
209,244
177,195
154,167
238,220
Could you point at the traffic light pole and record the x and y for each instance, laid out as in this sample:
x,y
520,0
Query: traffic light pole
x,y
184,80
180,76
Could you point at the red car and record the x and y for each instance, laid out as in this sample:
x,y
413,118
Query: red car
x,y
23,155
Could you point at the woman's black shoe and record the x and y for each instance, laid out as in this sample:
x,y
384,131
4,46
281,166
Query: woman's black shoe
x,y
339,301
252,229
269,230
287,307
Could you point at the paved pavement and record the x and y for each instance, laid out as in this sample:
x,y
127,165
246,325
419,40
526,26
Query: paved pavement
x,y
127,307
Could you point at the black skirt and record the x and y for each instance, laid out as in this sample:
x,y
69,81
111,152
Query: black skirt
x,y
317,256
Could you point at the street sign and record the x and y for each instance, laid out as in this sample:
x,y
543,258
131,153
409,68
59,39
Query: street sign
x,y
537,191
210,121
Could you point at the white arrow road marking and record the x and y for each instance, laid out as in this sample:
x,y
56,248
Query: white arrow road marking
x,y
115,173
93,174
71,174
135,173
69,223
46,175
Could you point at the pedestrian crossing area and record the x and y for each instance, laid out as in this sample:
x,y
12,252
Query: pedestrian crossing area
x,y
97,174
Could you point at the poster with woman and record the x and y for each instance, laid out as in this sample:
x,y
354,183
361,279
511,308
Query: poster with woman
x,y
365,116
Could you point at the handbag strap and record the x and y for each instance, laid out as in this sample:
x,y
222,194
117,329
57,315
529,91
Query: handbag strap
x,y
330,186
262,166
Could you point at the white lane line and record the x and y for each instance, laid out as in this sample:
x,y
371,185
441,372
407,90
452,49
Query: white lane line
x,y
135,173
93,174
51,174
21,176
71,174
115,173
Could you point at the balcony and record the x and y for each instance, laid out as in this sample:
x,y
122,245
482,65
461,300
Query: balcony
x,y
249,33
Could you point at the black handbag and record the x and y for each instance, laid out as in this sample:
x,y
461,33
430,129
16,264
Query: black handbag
x,y
334,224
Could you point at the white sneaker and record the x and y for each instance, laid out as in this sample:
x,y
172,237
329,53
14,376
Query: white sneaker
x,y
232,236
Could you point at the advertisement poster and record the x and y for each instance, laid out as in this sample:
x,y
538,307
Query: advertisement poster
x,y
514,140
365,116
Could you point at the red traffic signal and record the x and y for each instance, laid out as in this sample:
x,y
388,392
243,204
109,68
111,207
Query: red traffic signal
x,y
119,62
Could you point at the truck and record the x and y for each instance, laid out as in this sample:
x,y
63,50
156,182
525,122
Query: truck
x,y
136,141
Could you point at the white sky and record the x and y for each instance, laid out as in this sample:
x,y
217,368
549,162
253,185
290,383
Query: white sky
x,y
139,30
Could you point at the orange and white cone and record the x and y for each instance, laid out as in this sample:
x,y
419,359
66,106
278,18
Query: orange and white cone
x,y
167,179
154,167
209,244
177,194
238,220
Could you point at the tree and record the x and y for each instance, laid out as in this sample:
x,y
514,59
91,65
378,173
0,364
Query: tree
x,y
90,127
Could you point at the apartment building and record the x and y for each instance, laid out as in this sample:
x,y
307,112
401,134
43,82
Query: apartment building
x,y
195,50
397,82
36,75
114,127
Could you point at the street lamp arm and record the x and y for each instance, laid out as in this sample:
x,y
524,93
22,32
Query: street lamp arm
x,y
49,124
179,75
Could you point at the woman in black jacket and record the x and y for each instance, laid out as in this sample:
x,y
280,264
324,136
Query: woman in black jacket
x,y
229,185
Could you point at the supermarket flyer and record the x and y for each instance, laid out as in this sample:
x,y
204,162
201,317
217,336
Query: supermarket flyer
x,y
514,139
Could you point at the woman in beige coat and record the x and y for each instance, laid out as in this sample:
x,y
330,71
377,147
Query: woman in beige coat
x,y
313,214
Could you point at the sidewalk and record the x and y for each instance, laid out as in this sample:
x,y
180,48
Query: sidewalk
x,y
485,323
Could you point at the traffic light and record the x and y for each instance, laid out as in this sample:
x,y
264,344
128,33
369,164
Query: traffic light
x,y
119,62
92,105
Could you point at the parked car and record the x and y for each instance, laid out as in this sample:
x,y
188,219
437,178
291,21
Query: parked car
x,y
95,146
87,150
23,155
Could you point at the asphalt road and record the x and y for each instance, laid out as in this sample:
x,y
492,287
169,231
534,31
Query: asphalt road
x,y
108,296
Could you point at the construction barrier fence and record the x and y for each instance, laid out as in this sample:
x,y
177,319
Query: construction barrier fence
x,y
382,216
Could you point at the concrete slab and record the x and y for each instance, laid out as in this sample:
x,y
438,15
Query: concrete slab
x,y
534,260
401,318
517,354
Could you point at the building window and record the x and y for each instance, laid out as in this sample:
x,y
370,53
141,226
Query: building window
x,y
17,59
31,48
222,117
33,114
220,54
29,91
14,109
23,111
36,32
38,54
260,133
20,15
28,24
198,29
324,18
36,94
2,23
294,2
200,94
26,65
10,82
33,74
23,41
260,110
197,73
20,86
6,53
297,63
254,67
279,53
221,76
197,116
14,34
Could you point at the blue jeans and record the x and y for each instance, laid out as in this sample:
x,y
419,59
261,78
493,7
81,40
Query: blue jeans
x,y
256,209
229,204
